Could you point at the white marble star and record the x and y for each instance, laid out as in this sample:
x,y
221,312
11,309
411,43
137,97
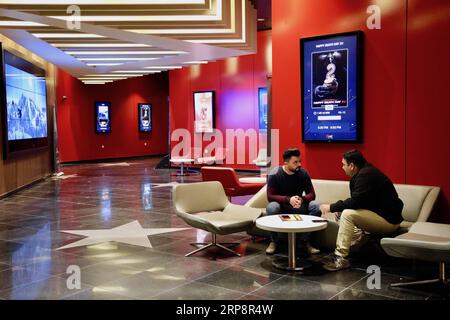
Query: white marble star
x,y
162,185
130,233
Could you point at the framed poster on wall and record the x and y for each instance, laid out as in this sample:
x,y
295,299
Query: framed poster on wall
x,y
102,117
204,105
145,117
331,87
262,108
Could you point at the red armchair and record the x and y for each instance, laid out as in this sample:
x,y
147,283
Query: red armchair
x,y
227,177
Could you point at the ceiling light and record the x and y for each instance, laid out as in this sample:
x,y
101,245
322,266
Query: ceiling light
x,y
100,45
103,64
136,71
112,75
101,79
18,23
164,67
195,62
122,52
90,2
116,59
66,35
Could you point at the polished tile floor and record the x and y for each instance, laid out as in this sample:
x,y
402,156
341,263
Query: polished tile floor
x,y
99,196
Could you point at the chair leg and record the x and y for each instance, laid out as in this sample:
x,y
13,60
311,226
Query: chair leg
x,y
199,249
225,248
442,279
213,243
195,244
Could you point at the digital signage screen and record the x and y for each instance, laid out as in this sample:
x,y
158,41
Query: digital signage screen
x,y
145,117
262,108
102,117
331,77
204,103
24,105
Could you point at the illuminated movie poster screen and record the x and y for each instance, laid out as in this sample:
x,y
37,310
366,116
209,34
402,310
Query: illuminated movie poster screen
x,y
331,87
262,108
204,111
145,117
103,117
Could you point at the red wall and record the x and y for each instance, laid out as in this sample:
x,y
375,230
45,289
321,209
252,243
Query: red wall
x,y
235,82
404,131
77,139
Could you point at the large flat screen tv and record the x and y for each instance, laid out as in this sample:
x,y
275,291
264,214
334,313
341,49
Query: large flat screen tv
x,y
145,117
24,106
204,104
102,117
331,87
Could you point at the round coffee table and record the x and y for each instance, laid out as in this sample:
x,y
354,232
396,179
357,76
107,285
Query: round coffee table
x,y
182,162
275,224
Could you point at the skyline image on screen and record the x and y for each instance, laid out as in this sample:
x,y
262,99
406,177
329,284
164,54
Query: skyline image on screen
x,y
26,104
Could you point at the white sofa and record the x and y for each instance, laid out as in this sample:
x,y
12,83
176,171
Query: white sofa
x,y
418,204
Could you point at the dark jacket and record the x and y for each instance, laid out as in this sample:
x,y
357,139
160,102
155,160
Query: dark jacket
x,y
372,190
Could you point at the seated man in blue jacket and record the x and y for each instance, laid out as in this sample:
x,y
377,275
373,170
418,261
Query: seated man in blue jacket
x,y
374,206
290,191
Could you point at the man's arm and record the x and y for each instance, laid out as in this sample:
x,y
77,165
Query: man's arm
x,y
310,193
360,198
273,196
273,191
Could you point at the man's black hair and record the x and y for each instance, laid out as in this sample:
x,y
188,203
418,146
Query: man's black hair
x,y
355,156
289,153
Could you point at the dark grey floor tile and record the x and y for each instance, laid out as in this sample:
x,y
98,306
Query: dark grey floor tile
x,y
291,288
183,246
49,262
97,294
353,294
53,288
240,279
343,278
385,290
198,291
144,285
144,260
104,251
252,297
101,273
19,276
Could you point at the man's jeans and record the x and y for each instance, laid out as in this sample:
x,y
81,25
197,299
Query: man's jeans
x,y
312,209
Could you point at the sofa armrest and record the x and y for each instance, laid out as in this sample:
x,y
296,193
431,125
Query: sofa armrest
x,y
428,204
259,200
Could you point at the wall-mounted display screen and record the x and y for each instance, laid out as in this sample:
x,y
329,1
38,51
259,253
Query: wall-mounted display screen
x,y
262,108
24,110
102,117
145,117
331,77
204,103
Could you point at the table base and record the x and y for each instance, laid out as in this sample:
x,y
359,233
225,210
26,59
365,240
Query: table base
x,y
283,264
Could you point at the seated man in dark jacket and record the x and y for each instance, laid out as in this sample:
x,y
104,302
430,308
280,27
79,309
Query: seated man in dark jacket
x,y
374,206
290,191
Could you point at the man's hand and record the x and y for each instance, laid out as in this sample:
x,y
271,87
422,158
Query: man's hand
x,y
337,216
324,208
295,202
